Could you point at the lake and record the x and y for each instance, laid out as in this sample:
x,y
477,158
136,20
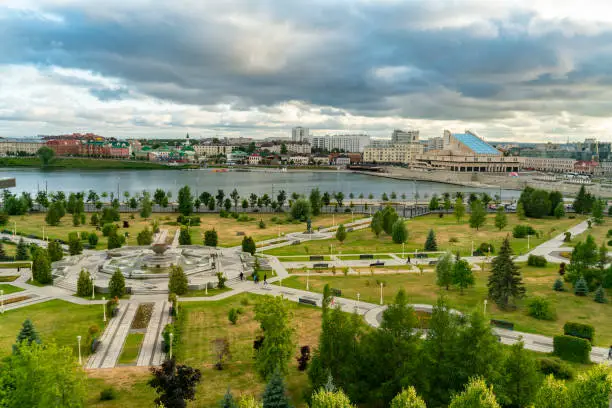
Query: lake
x,y
259,182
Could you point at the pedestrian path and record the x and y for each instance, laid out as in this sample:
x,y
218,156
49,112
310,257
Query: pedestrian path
x,y
158,356
113,338
153,335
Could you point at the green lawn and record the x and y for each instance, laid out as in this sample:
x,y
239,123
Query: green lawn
x,y
202,293
8,289
422,289
14,265
56,321
447,229
84,164
8,278
131,348
599,232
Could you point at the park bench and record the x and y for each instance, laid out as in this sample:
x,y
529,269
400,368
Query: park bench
x,y
366,256
317,258
502,324
378,263
307,301
320,265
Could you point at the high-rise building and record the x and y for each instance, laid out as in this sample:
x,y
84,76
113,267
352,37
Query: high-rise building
x,y
299,134
401,136
346,143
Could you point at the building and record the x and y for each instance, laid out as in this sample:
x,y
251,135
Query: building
x,y
211,150
586,167
321,160
434,143
14,147
65,147
401,136
254,159
299,134
292,147
468,143
345,143
342,161
551,165
299,160
404,153
605,169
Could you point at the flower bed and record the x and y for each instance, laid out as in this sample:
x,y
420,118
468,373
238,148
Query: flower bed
x,y
16,299
142,317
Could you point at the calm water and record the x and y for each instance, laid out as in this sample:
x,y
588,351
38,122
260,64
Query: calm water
x,y
134,181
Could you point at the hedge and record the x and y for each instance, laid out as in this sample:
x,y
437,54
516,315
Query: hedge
x,y
572,349
584,331
536,260
557,367
521,231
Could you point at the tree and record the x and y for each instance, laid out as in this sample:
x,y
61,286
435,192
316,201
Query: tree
x,y
56,253
301,209
581,288
476,395
326,198
177,282
146,207
505,281
341,233
559,211
227,204
145,237
46,155
603,258
75,246
339,196
210,238
248,245
39,375
408,398
315,201
583,203
220,196
160,198
584,257
283,149
377,223
245,204
447,202
501,220
552,394
114,240
27,334
462,274
184,236
252,200
41,267
521,377
592,388
55,212
274,317
21,252
399,233
444,270
116,284
235,198
459,209
389,217
434,203
175,384
478,214
520,211
84,284
598,212
228,400
281,198
275,394
600,295
430,242
330,399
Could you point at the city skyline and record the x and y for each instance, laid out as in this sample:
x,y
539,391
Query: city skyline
x,y
522,72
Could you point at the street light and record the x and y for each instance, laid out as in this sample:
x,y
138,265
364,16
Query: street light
x,y
381,293
104,308
93,288
528,243
485,306
358,295
79,342
403,254
1,301
308,279
171,338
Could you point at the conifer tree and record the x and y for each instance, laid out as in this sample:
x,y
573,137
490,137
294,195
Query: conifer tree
x,y
476,395
21,253
228,400
430,242
399,233
521,377
505,281
581,288
28,334
41,267
84,284
552,394
408,398
56,253
600,295
275,394
116,285
377,224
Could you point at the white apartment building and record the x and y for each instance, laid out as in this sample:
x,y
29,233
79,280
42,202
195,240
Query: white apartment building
x,y
13,146
435,143
299,160
254,159
401,136
348,143
299,134
212,149
547,164
404,153
292,148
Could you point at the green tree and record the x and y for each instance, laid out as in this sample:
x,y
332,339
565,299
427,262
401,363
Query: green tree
x,y
84,284
600,295
399,233
46,155
211,203
444,270
220,197
274,317
145,237
211,238
248,245
520,211
521,378
56,253
592,388
159,197
478,214
41,267
75,246
275,394
581,288
505,281
228,400
59,381
408,398
315,201
476,395
602,258
301,210
235,198
462,275
430,242
116,284
114,240
389,217
434,203
325,198
146,207
92,239
583,203
339,196
184,236
552,394
501,220
459,210
21,252
377,223
584,257
283,149
341,233
27,335
447,203
227,204
177,282
55,212
559,211
330,399
598,212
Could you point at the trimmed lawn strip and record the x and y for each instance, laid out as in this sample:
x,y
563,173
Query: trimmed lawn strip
x,y
202,292
14,265
356,257
8,278
8,289
131,348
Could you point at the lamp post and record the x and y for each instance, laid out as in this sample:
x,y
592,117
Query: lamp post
x,y
79,342
308,279
358,295
381,293
171,341
528,243
485,306
403,254
93,288
472,254
1,301
104,309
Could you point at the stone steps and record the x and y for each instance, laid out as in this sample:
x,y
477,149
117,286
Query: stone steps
x,y
106,340
158,355
153,335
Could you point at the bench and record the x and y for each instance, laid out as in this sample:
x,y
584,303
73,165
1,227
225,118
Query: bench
x,y
320,265
378,263
433,262
366,256
317,258
502,324
240,233
420,256
307,301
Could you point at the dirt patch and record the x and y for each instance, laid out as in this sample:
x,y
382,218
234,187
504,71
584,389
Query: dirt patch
x,y
121,377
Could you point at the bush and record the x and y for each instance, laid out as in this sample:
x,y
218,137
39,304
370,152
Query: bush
x,y
224,213
584,331
486,248
571,348
537,260
232,315
193,220
600,295
93,239
108,394
521,231
609,234
558,285
84,235
166,336
243,218
610,241
262,224
581,288
557,367
541,309
108,229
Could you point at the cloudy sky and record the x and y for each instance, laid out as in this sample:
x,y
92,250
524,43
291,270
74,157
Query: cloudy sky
x,y
523,70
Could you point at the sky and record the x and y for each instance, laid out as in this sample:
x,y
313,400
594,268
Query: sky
x,y
521,70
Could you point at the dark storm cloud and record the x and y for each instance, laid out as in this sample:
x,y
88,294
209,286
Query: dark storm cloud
x,y
465,73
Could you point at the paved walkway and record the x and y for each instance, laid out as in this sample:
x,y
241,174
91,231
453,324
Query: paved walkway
x,y
152,337
111,342
557,244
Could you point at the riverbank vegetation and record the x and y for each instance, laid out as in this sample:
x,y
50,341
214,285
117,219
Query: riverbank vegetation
x,y
81,163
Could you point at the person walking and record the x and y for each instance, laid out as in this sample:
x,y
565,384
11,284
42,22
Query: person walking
x,y
265,279
241,276
408,261
610,353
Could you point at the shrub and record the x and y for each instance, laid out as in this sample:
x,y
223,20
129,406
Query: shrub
x,y
572,349
610,241
541,309
232,315
108,229
262,224
84,235
568,236
558,285
521,231
600,295
584,331
609,234
108,394
536,260
93,239
303,358
486,248
224,213
557,367
166,336
193,220
581,288
243,218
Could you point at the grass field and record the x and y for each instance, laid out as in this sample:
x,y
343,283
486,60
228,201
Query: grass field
x,y
131,348
84,164
56,321
423,289
447,229
211,292
599,232
8,289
